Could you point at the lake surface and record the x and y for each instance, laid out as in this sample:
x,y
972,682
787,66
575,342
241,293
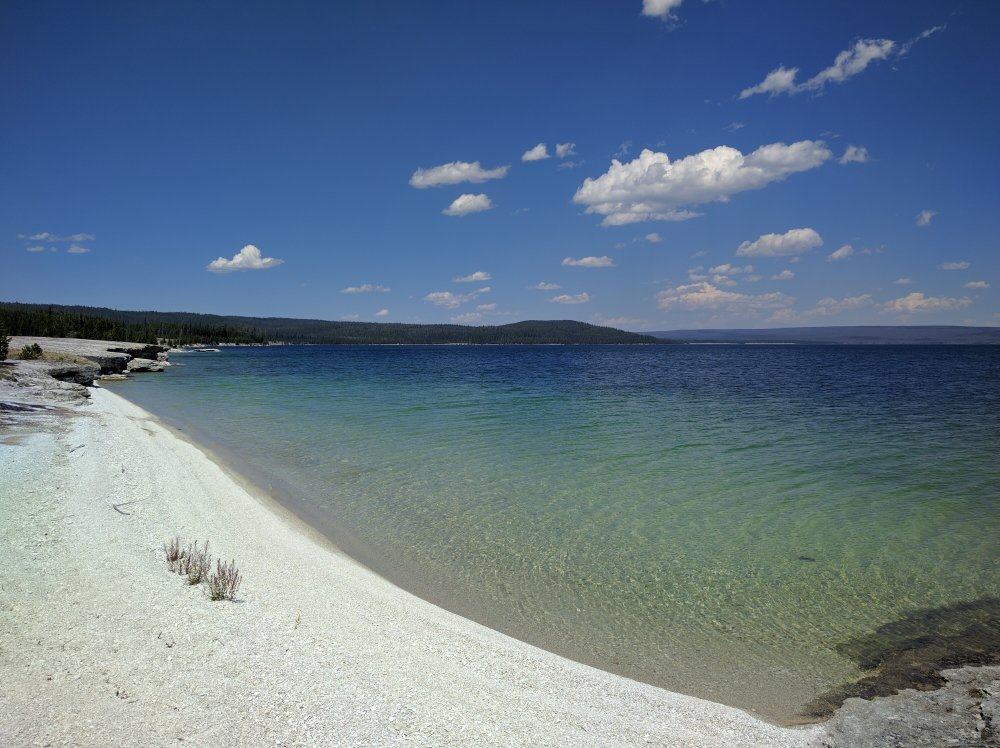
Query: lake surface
x,y
712,519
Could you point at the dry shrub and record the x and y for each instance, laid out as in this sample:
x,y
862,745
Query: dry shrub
x,y
195,564
175,554
198,563
224,581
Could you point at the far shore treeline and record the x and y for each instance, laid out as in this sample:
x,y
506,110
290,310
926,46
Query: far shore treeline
x,y
186,328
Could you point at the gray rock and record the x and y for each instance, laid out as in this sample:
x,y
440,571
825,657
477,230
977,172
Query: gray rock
x,y
145,364
963,713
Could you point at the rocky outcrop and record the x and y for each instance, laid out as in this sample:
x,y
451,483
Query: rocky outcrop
x,y
69,366
138,350
963,712
111,356
145,364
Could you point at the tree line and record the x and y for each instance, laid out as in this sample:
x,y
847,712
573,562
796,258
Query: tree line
x,y
182,328
52,322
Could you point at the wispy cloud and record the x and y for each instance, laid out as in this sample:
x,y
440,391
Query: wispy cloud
x,y
846,65
925,217
784,275
653,238
543,286
855,154
248,258
45,236
451,300
840,254
382,313
565,298
76,249
565,149
477,277
455,172
703,295
366,288
918,302
962,265
589,262
977,285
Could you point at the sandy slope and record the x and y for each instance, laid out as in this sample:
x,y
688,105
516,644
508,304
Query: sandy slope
x,y
100,645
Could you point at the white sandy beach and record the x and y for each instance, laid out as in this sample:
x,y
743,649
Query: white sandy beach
x,y
101,645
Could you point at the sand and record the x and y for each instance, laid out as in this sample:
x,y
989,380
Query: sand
x,y
101,645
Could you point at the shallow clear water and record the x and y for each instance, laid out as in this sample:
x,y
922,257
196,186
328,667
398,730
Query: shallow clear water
x,y
712,519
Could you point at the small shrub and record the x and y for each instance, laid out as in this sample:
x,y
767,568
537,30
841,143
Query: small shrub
x,y
197,563
31,352
224,581
4,344
175,554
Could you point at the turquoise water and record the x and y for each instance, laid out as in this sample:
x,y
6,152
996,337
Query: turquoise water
x,y
712,519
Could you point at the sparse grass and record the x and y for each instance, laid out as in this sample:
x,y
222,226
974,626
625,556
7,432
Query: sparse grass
x,y
224,581
194,563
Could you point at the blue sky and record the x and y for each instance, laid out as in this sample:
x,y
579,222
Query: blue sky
x,y
142,142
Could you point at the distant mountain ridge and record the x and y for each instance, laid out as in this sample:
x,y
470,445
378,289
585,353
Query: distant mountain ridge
x,y
240,329
845,335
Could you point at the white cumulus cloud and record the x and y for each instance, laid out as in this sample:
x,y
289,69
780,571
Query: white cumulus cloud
x,y
840,254
855,154
654,188
925,217
660,8
792,242
366,288
477,277
589,262
784,275
382,313
918,302
654,238
565,298
538,153
455,172
465,204
248,258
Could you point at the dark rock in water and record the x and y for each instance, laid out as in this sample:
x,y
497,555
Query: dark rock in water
x,y
911,653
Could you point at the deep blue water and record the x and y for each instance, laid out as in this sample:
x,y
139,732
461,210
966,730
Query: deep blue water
x,y
713,519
